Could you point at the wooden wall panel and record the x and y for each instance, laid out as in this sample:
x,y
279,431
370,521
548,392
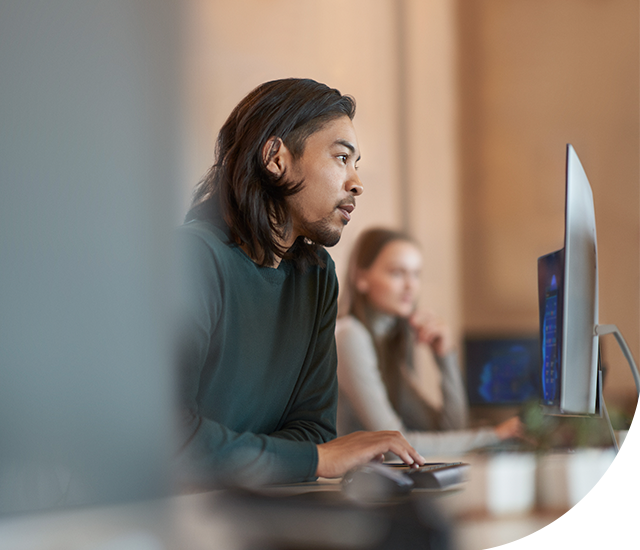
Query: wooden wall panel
x,y
535,76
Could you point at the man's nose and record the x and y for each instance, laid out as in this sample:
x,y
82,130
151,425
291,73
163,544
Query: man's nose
x,y
354,185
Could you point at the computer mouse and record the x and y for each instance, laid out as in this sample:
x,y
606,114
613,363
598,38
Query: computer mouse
x,y
375,482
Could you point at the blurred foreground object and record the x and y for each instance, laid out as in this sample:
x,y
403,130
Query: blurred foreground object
x,y
88,155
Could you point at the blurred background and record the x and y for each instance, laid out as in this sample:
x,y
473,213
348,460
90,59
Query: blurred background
x,y
464,110
109,113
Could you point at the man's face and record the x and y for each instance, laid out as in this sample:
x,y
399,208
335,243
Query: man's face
x,y
323,206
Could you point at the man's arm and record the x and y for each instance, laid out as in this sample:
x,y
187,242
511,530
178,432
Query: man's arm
x,y
337,457
218,456
211,451
215,453
317,401
311,412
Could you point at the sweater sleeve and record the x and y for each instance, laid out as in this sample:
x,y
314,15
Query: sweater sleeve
x,y
311,415
361,383
455,409
211,453
359,378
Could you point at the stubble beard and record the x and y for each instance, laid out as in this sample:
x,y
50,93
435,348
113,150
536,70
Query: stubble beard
x,y
323,232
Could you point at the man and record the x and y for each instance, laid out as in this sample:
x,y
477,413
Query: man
x,y
258,360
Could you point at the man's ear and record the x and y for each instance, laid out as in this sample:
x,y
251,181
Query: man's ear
x,y
275,156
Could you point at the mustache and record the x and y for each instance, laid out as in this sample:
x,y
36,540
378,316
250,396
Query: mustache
x,y
350,201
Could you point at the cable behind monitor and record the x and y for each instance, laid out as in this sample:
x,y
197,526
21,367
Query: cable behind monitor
x,y
601,330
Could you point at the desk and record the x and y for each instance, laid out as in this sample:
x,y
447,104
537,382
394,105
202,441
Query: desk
x,y
196,522
191,522
200,521
480,531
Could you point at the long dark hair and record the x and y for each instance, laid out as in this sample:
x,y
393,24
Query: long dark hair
x,y
396,348
240,190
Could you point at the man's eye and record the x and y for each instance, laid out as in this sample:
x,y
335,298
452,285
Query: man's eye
x,y
343,158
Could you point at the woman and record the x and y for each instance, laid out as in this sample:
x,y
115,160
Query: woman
x,y
378,387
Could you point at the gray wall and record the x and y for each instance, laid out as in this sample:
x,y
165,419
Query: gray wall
x,y
88,155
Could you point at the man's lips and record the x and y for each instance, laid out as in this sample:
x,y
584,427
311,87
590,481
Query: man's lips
x,y
346,210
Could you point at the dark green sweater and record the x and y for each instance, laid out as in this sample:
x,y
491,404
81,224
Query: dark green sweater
x,y
257,364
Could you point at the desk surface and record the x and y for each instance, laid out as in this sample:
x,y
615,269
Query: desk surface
x,y
193,521
199,520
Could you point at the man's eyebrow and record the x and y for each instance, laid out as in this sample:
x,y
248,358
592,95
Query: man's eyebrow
x,y
348,145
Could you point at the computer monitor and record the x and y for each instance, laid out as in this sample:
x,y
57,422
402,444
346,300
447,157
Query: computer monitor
x,y
502,371
568,305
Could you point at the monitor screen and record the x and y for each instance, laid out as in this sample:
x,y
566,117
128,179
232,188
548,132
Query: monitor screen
x,y
502,371
568,305
550,291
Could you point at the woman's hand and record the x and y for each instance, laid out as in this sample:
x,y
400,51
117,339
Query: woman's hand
x,y
432,331
512,428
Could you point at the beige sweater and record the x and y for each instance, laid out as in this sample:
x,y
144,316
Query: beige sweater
x,y
363,403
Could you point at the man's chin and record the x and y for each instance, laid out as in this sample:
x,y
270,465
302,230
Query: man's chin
x,y
331,238
327,239
324,234
333,242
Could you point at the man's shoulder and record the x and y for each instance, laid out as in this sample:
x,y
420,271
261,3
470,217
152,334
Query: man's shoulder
x,y
201,235
204,248
205,230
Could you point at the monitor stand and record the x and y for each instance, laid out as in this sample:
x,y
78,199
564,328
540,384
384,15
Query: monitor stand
x,y
601,330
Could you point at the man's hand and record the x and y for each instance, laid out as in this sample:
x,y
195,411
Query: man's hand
x,y
337,457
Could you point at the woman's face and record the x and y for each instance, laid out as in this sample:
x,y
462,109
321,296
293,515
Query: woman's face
x,y
392,283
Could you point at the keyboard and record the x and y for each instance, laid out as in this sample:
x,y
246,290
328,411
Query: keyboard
x,y
381,482
435,475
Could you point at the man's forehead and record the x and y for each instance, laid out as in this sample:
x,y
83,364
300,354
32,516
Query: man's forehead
x,y
346,143
342,132
336,132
